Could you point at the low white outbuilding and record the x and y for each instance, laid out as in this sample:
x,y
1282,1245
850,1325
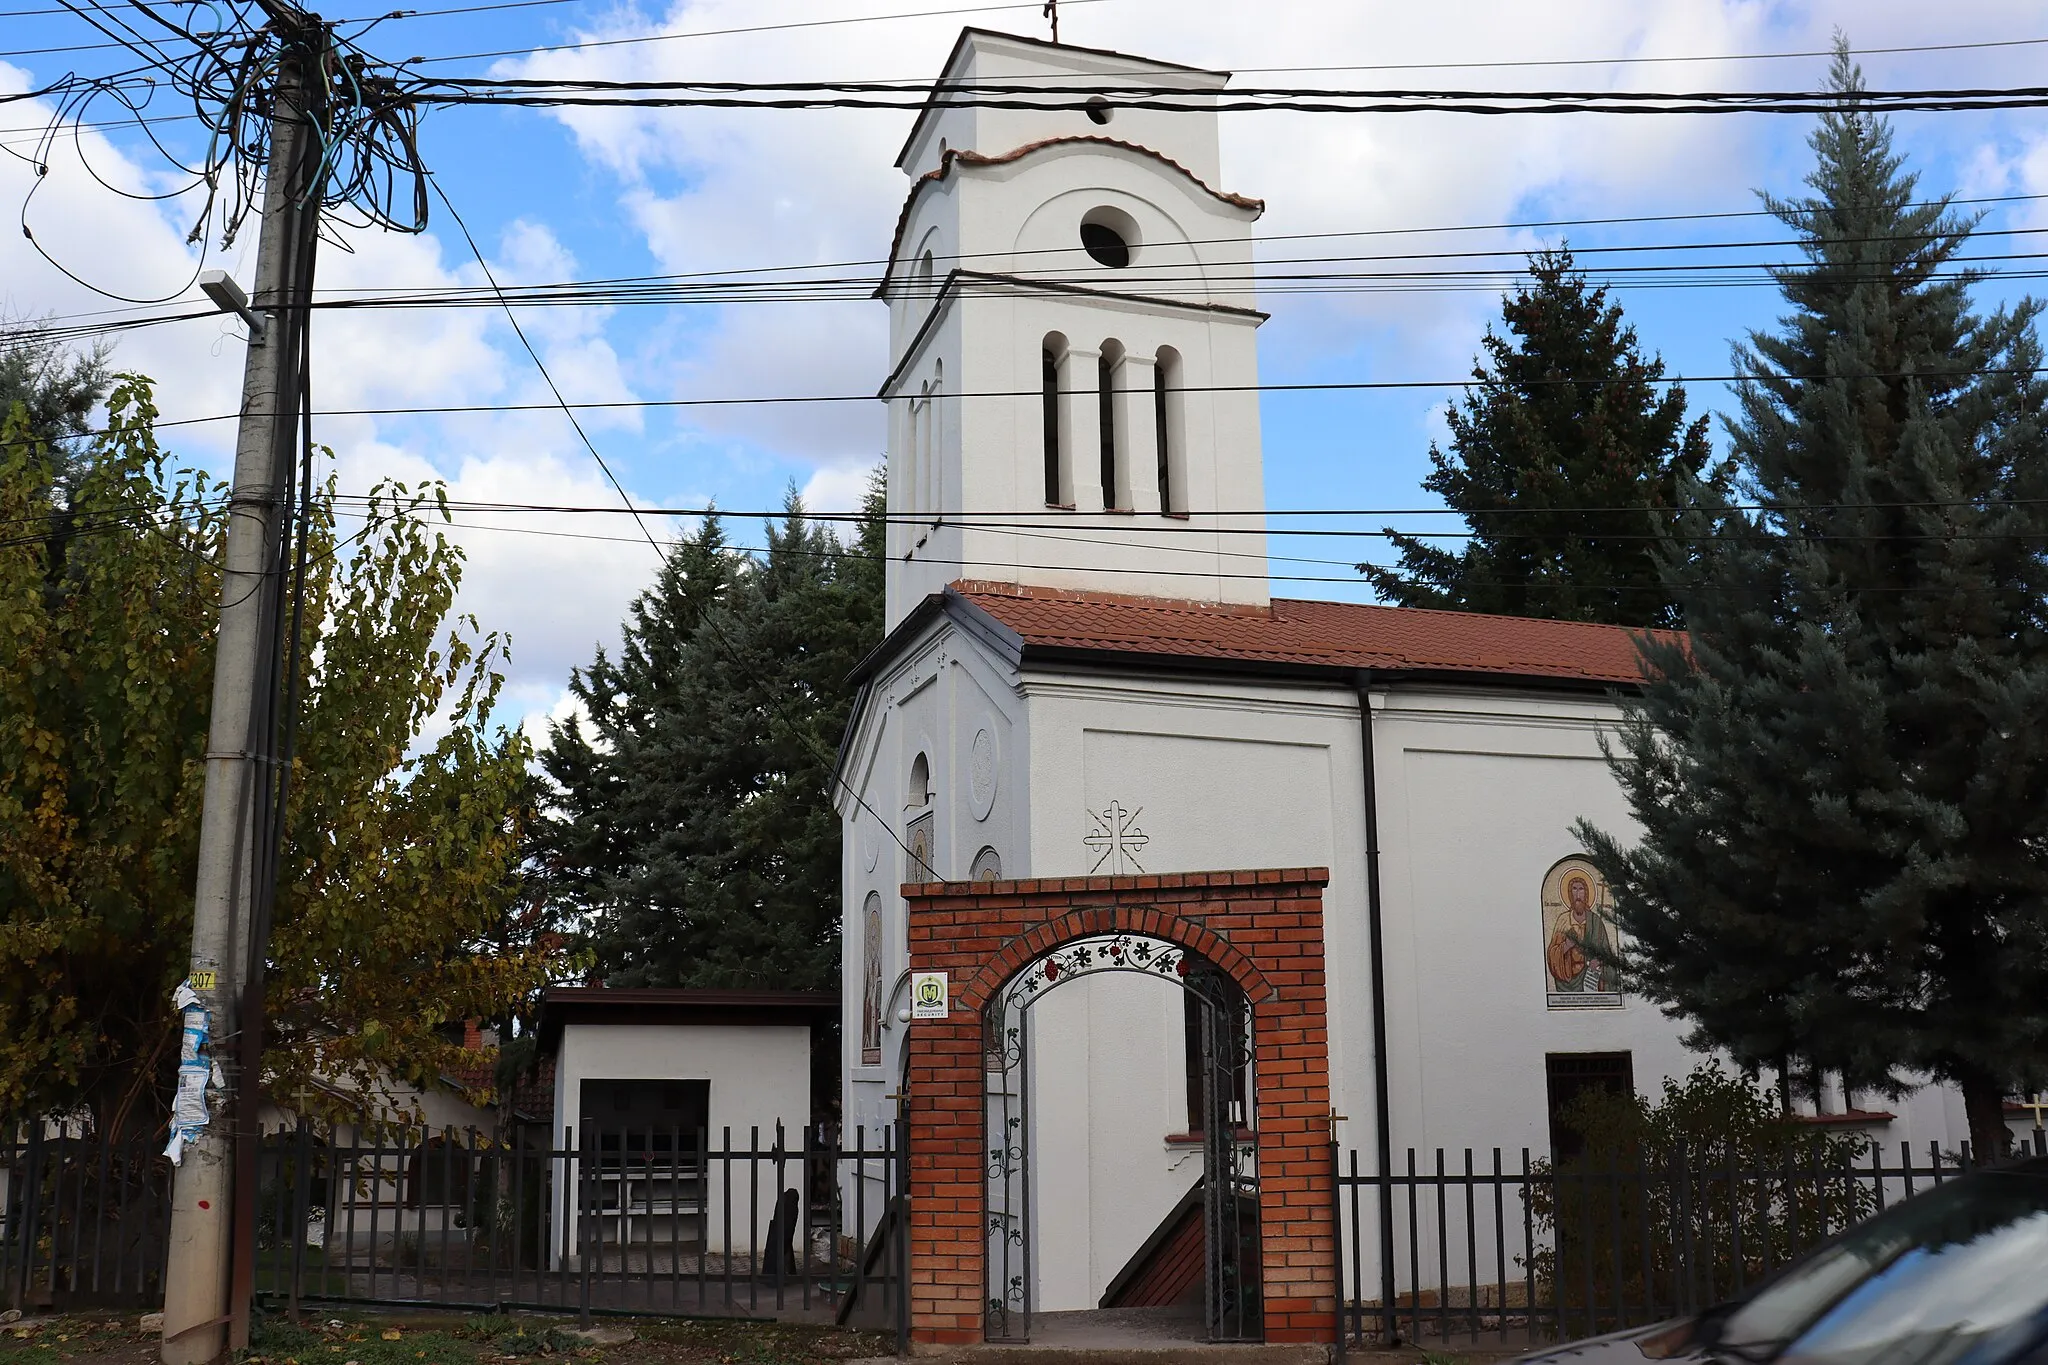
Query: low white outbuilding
x,y
661,1082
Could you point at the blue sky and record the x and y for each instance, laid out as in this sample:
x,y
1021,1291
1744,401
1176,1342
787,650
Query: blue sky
x,y
601,194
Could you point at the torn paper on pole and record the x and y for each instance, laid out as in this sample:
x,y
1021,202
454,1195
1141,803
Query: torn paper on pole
x,y
196,1070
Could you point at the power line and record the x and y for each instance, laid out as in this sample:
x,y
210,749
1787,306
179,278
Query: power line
x,y
654,94
1274,70
600,42
360,19
1632,279
657,291
1328,386
1125,525
1069,251
1111,570
712,509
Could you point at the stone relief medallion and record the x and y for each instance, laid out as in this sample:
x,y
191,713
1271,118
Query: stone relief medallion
x,y
982,773
870,845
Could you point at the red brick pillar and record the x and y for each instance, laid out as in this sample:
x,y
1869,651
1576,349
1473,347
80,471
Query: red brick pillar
x,y
1297,1217
946,1180
1265,928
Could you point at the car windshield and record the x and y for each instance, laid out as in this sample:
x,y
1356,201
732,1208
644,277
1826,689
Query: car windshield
x,y
1946,1276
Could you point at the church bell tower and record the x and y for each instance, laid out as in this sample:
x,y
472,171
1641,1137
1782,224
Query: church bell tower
x,y
1073,372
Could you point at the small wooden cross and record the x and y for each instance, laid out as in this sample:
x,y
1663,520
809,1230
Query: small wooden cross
x,y
2039,1105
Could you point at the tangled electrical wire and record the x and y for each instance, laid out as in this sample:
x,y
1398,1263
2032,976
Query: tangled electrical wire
x,y
226,58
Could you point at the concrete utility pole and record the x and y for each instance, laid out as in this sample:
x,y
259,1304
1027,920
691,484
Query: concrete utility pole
x,y
196,1293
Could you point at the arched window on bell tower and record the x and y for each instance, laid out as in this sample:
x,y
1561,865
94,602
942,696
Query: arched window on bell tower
x,y
1168,427
1049,357
1112,459
918,449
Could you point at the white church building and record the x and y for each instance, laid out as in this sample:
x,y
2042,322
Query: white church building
x,y
1086,672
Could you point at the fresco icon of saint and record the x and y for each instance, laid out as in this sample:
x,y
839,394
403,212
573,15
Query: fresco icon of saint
x,y
1578,937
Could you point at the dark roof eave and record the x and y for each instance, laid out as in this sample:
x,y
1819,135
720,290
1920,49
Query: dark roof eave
x,y
606,1005
947,603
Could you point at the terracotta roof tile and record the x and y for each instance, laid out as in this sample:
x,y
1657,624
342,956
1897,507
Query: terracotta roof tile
x,y
476,1076
533,1094
1345,635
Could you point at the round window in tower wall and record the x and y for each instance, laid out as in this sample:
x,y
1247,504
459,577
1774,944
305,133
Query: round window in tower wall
x,y
981,773
1109,236
1099,110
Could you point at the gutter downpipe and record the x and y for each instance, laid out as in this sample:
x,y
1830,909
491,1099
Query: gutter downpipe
x,y
1383,1125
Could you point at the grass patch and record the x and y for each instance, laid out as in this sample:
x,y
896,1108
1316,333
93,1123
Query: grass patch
x,y
276,1340
49,1340
740,1341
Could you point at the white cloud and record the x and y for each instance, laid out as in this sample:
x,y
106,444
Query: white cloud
x,y
838,488
116,245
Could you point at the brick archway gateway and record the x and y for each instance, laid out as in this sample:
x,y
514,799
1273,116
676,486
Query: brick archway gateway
x,y
1265,928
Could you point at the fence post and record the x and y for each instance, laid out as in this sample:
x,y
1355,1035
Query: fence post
x,y
588,1231
902,1202
1390,1321
302,1199
1337,1238
31,1213
1529,1241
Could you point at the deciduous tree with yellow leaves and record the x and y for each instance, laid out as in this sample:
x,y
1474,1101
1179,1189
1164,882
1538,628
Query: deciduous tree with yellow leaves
x,y
399,900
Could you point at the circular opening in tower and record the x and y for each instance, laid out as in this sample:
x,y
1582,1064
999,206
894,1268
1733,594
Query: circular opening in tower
x,y
1110,237
1098,110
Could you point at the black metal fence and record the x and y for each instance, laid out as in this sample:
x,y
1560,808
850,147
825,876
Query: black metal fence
x,y
82,1220
1517,1251
596,1220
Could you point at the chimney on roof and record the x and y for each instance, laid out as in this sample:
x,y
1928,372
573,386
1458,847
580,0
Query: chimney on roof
x,y
473,1034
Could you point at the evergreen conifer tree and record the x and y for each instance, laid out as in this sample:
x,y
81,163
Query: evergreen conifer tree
x,y
57,388
693,826
1841,777
1564,461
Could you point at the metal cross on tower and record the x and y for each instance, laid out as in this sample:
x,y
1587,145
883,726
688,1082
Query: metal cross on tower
x,y
1052,12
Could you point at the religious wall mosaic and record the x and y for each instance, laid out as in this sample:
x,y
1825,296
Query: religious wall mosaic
x,y
1578,936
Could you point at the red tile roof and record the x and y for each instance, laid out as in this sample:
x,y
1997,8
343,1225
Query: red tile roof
x,y
475,1075
1336,635
533,1094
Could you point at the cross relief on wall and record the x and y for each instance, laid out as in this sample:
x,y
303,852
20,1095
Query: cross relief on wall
x,y
1116,841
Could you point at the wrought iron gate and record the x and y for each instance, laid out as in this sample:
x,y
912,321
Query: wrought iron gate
x,y
1220,1066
